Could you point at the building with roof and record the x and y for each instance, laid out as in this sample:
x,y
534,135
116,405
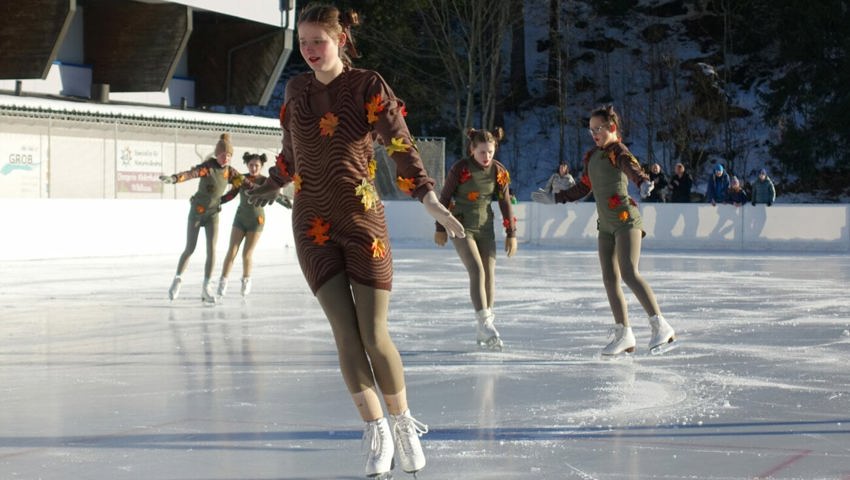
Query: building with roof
x,y
98,97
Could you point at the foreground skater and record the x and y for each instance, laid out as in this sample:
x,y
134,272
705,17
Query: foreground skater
x,y
471,186
607,171
328,119
214,174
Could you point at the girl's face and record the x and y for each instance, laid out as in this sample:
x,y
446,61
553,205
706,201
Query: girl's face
x,y
603,132
254,166
320,50
483,153
563,169
223,158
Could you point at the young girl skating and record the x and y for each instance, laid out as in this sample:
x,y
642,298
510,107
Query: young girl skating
x,y
470,187
329,117
247,225
214,174
607,171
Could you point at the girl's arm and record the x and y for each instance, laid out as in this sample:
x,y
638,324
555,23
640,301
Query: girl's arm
x,y
449,187
503,182
385,113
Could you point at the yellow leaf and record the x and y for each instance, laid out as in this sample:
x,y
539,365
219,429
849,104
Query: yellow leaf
x,y
397,145
373,167
367,193
379,248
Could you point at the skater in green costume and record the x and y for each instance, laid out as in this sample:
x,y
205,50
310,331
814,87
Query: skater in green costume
x,y
607,171
471,186
214,174
247,224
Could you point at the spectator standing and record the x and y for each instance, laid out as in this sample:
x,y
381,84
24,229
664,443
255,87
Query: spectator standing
x,y
736,195
718,186
680,184
763,189
659,181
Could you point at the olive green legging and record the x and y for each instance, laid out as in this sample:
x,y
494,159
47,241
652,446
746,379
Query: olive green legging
x,y
192,230
619,255
358,318
478,255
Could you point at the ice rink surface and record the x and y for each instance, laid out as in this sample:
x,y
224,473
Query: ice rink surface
x,y
101,377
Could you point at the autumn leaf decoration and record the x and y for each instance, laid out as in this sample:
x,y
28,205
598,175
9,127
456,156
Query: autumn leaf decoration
x,y
237,181
473,196
379,248
373,167
403,111
397,145
367,193
503,178
464,175
374,106
280,164
328,124
204,172
319,231
405,184
614,202
296,181
506,222
261,220
282,113
624,216
200,209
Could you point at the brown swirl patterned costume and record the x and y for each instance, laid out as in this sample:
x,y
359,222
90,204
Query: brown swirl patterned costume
x,y
337,219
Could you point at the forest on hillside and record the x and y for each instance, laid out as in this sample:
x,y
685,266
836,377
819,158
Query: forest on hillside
x,y
745,83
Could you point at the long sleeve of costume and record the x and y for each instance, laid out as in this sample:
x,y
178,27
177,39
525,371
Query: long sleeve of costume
x,y
230,195
281,173
503,182
386,114
198,171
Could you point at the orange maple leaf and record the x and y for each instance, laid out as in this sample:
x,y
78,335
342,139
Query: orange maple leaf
x,y
318,230
328,124
296,181
624,216
200,209
472,196
503,178
374,106
379,248
405,184
203,172
261,220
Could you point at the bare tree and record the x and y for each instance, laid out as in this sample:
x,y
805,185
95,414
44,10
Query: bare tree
x,y
518,76
467,35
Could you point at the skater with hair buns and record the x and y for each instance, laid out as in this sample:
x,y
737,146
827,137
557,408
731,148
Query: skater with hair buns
x,y
607,170
248,224
329,117
214,174
470,187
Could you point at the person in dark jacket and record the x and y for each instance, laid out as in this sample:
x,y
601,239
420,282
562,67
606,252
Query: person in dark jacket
x,y
680,184
659,181
736,195
718,186
763,190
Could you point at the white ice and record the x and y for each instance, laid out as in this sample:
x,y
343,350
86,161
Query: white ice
x,y
101,377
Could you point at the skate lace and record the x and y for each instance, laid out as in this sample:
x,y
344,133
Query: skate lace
x,y
405,427
372,437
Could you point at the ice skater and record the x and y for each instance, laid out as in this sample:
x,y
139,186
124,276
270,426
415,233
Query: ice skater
x,y
607,171
248,224
215,174
328,119
470,187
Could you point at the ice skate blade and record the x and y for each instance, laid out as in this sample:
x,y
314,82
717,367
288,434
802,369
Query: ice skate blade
x,y
381,476
664,347
625,356
493,344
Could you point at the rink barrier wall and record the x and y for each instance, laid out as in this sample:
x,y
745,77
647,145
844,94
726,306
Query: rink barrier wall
x,y
45,228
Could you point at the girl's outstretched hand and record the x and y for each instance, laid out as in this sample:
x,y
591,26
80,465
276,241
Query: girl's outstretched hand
x,y
440,238
510,246
263,195
441,214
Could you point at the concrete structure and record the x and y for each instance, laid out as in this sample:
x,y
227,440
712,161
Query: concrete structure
x,y
211,52
111,228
